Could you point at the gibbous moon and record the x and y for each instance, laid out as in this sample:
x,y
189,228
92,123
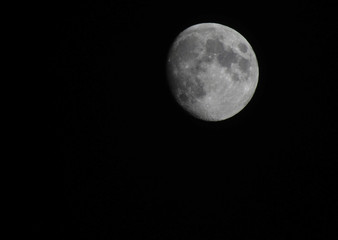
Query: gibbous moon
x,y
212,71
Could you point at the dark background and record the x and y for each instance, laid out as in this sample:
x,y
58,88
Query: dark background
x,y
136,166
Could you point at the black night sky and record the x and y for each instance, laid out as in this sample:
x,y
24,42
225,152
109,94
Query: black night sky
x,y
133,165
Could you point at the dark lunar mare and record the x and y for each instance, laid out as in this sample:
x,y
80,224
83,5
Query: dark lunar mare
x,y
242,47
214,46
225,56
244,65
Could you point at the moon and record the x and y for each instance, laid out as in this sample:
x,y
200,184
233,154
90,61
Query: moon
x,y
212,71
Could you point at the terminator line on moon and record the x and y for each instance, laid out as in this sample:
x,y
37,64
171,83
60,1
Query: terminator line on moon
x,y
212,71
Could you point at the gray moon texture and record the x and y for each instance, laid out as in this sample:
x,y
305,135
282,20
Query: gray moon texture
x,y
212,71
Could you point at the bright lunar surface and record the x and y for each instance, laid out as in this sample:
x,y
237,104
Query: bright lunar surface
x,y
212,71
